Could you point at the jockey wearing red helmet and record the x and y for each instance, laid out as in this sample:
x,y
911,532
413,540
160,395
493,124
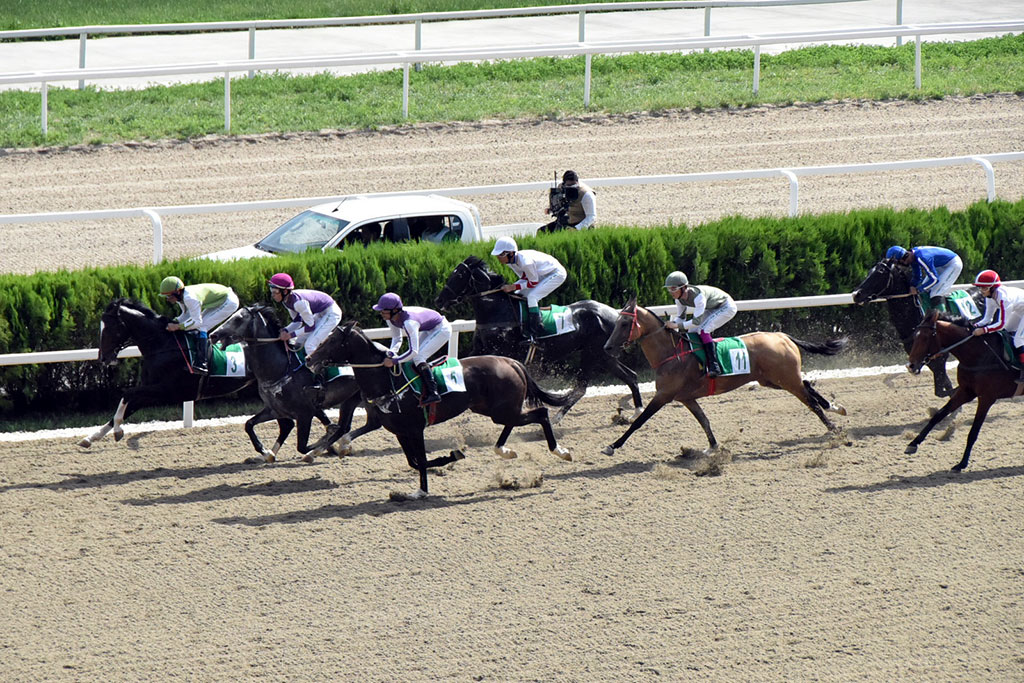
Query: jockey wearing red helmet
x,y
1004,310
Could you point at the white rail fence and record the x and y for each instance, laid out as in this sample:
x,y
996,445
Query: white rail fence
x,y
416,19
155,214
588,50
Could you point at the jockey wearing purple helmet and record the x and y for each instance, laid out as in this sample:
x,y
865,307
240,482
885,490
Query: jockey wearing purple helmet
x,y
428,332
314,314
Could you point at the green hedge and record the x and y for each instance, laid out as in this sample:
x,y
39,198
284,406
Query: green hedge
x,y
750,258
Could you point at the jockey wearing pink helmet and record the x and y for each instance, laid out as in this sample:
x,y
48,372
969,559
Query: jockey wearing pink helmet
x,y
314,314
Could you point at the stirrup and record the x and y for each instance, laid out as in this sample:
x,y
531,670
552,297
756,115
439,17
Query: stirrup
x,y
431,400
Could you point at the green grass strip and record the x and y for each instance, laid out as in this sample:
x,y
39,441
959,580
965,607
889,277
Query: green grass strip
x,y
546,87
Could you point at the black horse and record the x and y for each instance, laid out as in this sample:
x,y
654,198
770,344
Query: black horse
x,y
495,386
498,331
286,385
166,375
890,281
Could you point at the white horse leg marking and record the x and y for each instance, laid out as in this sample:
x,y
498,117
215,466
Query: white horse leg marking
x,y
119,419
562,453
505,452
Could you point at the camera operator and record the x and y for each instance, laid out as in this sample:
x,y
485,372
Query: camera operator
x,y
572,203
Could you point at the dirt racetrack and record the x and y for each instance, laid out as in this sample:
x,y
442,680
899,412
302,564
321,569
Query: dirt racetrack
x,y
164,558
436,156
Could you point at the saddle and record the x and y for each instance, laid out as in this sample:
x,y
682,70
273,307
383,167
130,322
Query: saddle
x,y
227,362
555,320
732,354
447,375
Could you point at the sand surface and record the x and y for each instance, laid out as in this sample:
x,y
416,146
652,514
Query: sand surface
x,y
163,557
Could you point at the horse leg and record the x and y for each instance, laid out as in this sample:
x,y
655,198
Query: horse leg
x,y
574,395
265,415
705,424
654,406
959,398
102,431
540,415
627,375
984,403
416,455
822,401
943,387
499,446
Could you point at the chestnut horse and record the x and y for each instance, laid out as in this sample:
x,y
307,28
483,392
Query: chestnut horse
x,y
982,373
495,386
774,362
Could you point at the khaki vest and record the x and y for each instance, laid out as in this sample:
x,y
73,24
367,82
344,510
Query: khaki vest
x,y
576,212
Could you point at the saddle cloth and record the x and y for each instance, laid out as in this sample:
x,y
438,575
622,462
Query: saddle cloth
x,y
732,354
956,303
447,374
555,319
227,362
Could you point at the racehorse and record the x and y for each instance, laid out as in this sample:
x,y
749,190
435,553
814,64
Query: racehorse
x,y
286,384
498,331
496,387
981,374
774,362
166,374
889,281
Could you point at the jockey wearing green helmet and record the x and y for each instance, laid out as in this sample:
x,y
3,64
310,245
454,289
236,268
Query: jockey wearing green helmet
x,y
711,306
203,307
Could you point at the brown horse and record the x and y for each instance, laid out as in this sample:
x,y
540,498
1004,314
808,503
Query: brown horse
x,y
774,362
982,373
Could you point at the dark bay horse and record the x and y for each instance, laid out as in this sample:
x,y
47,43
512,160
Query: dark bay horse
x,y
774,362
498,331
166,376
981,375
285,384
496,387
890,281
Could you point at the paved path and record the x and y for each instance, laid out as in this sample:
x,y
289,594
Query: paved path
x,y
27,56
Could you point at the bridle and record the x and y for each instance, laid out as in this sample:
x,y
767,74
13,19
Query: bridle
x,y
252,326
933,326
473,274
889,271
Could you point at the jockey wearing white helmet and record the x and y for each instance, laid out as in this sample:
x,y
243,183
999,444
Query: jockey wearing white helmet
x,y
539,275
203,307
1004,310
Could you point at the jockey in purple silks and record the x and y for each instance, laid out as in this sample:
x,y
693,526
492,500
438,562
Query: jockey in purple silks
x,y
428,332
712,308
314,314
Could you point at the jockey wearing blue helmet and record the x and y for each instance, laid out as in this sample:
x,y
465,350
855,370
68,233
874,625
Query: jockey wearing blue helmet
x,y
935,269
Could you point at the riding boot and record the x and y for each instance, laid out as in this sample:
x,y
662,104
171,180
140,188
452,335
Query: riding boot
x,y
712,368
199,363
534,326
317,391
429,394
1020,357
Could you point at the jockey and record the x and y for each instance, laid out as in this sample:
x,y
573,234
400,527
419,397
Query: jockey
x,y
539,275
712,308
428,333
935,269
203,307
1004,310
314,314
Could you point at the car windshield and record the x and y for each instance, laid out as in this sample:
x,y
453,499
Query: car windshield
x,y
308,230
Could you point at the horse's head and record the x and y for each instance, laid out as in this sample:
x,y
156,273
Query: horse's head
x,y
934,337
251,323
122,321
472,276
343,345
626,330
885,278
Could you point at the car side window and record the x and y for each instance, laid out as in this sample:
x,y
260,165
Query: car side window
x,y
447,228
396,230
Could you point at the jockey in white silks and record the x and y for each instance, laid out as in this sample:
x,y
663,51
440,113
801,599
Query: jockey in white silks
x,y
712,308
539,275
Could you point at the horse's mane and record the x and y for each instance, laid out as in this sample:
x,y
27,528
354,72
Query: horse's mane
x,y
135,306
476,262
958,320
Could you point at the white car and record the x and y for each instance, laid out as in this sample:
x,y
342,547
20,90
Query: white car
x,y
364,219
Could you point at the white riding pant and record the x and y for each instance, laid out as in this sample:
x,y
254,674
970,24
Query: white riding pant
x,y
431,342
717,317
216,316
326,320
947,277
545,286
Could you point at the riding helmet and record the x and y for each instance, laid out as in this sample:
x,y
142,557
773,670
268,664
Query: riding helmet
x,y
170,285
987,278
676,278
504,244
388,302
896,252
281,281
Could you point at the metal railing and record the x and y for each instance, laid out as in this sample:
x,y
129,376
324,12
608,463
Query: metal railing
x,y
156,213
588,50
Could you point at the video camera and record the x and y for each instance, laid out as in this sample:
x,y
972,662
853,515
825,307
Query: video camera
x,y
559,199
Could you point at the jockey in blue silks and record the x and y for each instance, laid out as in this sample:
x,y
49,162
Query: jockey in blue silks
x,y
934,269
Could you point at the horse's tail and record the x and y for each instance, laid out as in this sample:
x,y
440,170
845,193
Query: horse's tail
x,y
535,395
829,347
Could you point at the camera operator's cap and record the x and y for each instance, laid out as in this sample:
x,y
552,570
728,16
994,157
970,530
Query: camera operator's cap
x,y
504,244
570,177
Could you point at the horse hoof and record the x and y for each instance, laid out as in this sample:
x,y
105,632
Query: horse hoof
x,y
505,452
911,449
307,458
839,410
418,494
959,467
562,453
85,443
457,454
118,434
608,450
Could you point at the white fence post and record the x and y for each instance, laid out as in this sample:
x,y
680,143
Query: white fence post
x,y
899,20
158,235
252,47
227,101
794,191
583,26
990,177
917,61
419,40
44,103
81,57
586,80
707,25
757,68
405,90
187,414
